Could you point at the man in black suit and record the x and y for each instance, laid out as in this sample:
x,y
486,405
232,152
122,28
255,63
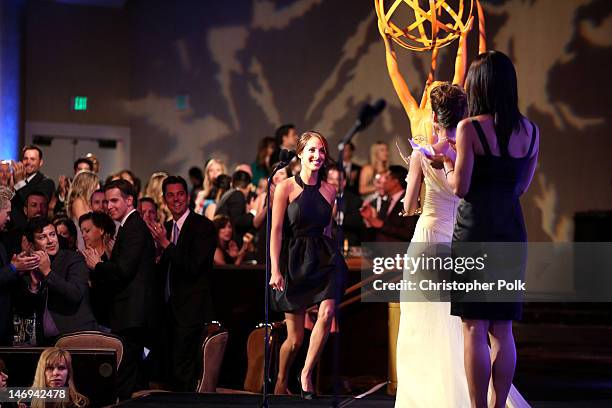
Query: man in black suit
x,y
391,224
352,222
28,177
130,273
61,283
35,205
234,204
352,170
286,138
9,272
188,242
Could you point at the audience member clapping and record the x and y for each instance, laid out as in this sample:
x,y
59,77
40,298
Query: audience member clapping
x,y
348,214
235,204
221,185
196,179
77,204
64,184
81,190
153,190
262,166
82,164
6,177
128,175
213,169
94,162
130,272
10,269
60,281
98,230
147,208
228,252
67,233
27,175
379,164
36,205
98,201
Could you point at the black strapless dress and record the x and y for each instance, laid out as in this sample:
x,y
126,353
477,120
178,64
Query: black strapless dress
x,y
310,262
491,212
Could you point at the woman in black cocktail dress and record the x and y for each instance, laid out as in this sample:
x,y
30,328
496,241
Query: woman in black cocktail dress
x,y
496,158
307,267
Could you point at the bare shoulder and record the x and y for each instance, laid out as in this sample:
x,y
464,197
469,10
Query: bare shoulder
x,y
529,127
465,128
367,168
286,185
284,189
328,187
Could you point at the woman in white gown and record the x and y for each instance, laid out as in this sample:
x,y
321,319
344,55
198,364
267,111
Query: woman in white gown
x,y
430,368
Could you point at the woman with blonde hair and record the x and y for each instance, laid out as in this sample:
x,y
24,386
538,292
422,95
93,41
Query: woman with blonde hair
x,y
213,169
221,185
379,164
54,370
77,204
153,189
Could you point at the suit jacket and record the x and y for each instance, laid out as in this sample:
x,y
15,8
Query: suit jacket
x,y
67,292
233,204
38,183
189,263
397,228
130,274
353,224
352,179
8,277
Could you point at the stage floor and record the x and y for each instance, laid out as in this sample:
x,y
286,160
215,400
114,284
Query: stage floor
x,y
371,401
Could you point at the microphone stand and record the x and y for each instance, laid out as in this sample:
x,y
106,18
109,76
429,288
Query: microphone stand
x,y
265,403
340,245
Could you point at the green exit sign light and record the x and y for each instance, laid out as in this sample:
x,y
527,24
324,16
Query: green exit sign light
x,y
79,103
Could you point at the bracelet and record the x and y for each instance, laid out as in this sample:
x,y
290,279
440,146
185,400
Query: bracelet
x,y
446,173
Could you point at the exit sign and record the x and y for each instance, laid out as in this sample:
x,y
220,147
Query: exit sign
x,y
79,103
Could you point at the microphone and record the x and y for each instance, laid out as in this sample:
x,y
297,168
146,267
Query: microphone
x,y
366,116
369,112
286,156
378,107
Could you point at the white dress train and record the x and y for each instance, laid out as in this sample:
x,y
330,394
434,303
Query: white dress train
x,y
430,369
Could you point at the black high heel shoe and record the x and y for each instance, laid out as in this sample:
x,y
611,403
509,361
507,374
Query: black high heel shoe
x,y
307,395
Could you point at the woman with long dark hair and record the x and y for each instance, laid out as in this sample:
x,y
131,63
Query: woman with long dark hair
x,y
307,268
497,150
262,167
98,230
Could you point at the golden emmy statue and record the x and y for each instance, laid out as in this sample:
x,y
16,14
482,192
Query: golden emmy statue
x,y
419,115
442,34
440,16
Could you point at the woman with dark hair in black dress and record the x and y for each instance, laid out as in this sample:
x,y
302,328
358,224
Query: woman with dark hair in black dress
x,y
307,267
497,150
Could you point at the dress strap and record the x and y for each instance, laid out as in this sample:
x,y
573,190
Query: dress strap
x,y
533,137
482,137
303,185
299,181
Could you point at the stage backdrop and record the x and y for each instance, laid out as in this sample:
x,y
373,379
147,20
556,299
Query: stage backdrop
x,y
200,79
